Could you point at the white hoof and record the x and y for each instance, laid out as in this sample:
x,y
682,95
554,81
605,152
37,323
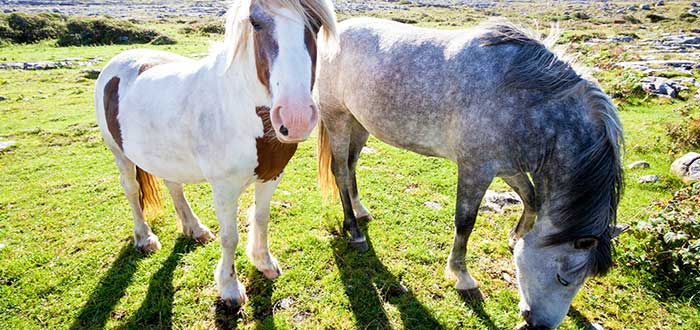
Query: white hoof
x,y
148,244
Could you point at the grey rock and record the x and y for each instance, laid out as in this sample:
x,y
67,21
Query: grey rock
x,y
659,3
490,207
649,179
666,87
645,7
6,144
687,167
368,150
3,98
594,326
286,303
638,164
502,198
620,39
432,205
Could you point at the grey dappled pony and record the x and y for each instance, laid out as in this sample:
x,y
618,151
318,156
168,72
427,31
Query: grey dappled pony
x,y
498,102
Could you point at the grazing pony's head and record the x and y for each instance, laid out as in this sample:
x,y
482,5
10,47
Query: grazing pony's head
x,y
573,236
281,35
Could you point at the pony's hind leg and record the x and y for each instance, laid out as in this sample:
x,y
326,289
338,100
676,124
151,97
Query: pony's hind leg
x,y
471,186
358,138
191,225
340,132
257,248
144,239
524,188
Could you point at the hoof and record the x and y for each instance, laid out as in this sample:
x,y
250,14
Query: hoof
x,y
205,237
272,274
473,295
229,305
271,269
151,244
365,218
360,246
235,302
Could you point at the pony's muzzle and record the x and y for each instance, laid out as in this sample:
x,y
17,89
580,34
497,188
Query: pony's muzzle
x,y
293,124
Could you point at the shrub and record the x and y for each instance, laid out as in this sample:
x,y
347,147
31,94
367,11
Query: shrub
x,y
686,134
625,86
631,19
216,27
654,18
27,28
688,17
105,32
670,242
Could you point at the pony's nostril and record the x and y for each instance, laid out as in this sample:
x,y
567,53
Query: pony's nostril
x,y
284,131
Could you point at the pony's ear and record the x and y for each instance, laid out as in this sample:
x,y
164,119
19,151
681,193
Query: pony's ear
x,y
586,243
618,229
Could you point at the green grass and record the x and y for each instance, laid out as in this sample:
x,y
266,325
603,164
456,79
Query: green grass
x,y
68,259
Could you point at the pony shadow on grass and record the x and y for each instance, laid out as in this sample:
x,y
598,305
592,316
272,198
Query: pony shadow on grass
x,y
368,284
156,310
477,306
110,290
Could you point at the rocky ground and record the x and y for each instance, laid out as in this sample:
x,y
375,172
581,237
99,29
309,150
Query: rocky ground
x,y
179,8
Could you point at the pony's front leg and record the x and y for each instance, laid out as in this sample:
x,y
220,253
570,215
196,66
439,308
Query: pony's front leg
x,y
471,186
226,205
257,249
524,188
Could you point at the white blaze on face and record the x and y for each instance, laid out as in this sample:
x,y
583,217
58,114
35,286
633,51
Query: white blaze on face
x,y
294,114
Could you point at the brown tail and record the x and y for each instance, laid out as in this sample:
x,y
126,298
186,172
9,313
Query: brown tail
x,y
326,179
149,195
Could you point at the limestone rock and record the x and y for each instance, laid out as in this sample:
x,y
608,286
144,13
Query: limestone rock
x,y
687,167
638,164
649,179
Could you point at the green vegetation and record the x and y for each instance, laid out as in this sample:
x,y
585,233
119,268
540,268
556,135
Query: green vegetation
x,y
66,251
31,28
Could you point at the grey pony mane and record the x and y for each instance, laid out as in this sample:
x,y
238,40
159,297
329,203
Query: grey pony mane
x,y
590,205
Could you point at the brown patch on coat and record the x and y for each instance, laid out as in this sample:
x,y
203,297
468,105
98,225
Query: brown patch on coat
x,y
265,49
310,41
144,67
273,155
111,104
147,66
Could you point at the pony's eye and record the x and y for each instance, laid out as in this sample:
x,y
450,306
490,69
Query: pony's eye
x,y
562,281
255,24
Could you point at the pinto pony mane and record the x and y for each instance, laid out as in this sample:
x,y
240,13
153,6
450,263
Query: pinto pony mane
x,y
316,14
589,207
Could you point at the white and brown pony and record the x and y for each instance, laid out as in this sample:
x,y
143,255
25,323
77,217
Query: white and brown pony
x,y
187,121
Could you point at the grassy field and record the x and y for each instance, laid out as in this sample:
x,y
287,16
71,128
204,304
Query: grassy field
x,y
67,258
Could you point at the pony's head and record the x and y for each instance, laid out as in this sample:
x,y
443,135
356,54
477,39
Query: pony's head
x,y
579,182
283,36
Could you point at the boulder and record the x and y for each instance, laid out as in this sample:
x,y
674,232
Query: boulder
x,y
687,167
502,198
638,165
6,144
649,179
